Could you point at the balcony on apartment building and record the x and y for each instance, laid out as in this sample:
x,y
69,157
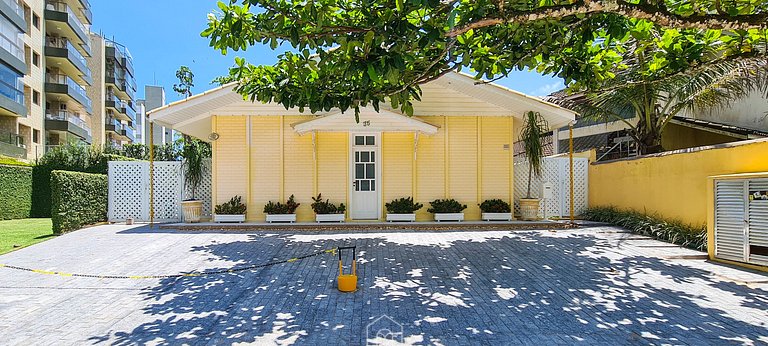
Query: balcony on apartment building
x,y
123,85
13,10
63,86
11,93
64,21
11,36
119,109
86,11
128,133
12,145
114,126
65,121
121,55
61,54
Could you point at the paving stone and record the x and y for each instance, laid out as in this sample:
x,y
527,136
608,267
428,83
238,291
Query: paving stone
x,y
597,285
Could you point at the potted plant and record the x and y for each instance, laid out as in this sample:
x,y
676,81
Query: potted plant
x,y
232,211
532,136
496,210
279,212
403,209
193,166
325,211
447,210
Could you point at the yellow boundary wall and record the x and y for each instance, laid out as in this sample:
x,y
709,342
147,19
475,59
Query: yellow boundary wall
x,y
673,184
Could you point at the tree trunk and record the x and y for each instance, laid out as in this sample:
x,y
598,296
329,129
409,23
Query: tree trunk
x,y
648,139
530,172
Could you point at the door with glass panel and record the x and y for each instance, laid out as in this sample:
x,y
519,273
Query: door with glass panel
x,y
364,173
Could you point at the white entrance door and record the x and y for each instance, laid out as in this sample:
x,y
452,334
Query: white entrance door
x,y
364,199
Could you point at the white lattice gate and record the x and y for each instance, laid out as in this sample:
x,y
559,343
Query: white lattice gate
x,y
556,172
129,191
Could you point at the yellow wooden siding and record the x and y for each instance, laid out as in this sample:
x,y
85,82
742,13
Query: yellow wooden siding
x,y
495,167
430,168
282,163
396,166
332,166
231,156
462,163
265,167
298,168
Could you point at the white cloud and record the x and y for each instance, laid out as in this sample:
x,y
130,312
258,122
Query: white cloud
x,y
548,89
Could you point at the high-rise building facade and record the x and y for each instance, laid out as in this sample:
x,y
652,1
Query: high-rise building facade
x,y
59,83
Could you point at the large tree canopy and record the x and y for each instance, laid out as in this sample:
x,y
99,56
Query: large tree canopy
x,y
352,53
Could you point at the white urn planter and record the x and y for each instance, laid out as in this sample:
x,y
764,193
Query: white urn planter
x,y
497,216
290,218
529,209
401,217
229,218
329,217
457,217
192,210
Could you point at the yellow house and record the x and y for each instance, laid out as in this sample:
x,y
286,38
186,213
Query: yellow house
x,y
457,145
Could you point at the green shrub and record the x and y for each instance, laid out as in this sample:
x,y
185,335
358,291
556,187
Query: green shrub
x,y
326,207
289,207
15,192
235,206
77,199
672,231
70,157
495,206
403,206
446,206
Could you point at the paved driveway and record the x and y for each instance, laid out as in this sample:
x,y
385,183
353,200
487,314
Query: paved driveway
x,y
591,286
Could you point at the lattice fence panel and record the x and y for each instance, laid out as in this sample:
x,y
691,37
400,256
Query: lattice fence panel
x,y
556,172
128,190
168,189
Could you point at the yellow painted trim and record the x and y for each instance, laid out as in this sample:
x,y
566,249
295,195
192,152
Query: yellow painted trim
x,y
315,163
739,264
214,171
479,164
248,143
282,158
512,164
346,173
446,160
414,177
711,217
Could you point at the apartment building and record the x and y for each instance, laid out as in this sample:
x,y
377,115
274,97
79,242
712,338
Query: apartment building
x,y
59,83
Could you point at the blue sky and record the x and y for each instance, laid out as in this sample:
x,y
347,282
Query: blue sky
x,y
165,34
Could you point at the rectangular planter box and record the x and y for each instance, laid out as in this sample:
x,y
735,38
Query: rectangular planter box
x,y
329,217
497,216
228,218
281,218
449,217
401,217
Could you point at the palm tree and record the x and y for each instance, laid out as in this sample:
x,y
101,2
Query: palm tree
x,y
532,135
654,101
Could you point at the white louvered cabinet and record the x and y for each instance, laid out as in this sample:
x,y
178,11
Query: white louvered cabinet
x,y
741,220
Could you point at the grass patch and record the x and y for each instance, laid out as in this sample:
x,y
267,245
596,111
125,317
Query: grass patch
x,y
16,234
650,225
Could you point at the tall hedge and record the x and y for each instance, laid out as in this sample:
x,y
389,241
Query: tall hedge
x,y
15,192
77,199
68,158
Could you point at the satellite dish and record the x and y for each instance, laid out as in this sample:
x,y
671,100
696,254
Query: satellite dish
x,y
213,136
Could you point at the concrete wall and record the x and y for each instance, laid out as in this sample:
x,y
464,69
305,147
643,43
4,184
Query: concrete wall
x,y
673,184
98,91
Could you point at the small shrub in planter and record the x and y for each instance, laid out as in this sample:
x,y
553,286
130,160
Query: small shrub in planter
x,y
447,210
496,210
402,209
325,211
232,211
282,212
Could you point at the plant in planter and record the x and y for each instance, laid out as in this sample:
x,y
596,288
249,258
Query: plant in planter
x,y
447,210
532,136
496,210
402,209
282,212
193,166
325,211
232,211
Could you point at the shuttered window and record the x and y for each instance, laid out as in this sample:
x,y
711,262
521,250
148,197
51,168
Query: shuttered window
x,y
729,219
